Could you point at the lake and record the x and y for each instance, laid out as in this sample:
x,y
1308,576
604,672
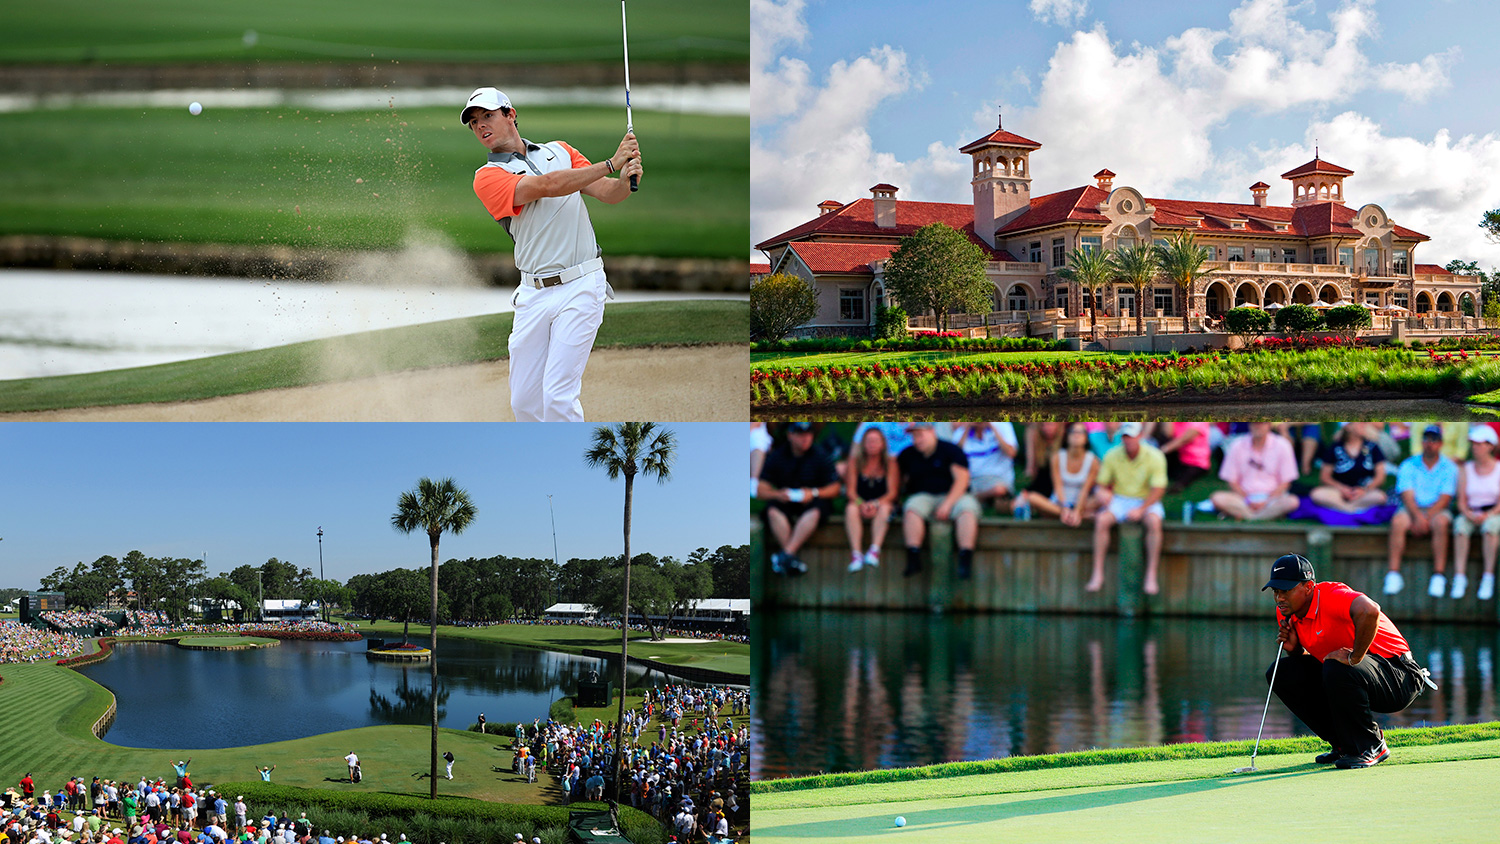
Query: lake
x,y
841,691
169,697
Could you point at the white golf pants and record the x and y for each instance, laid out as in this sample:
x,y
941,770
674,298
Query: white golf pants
x,y
550,342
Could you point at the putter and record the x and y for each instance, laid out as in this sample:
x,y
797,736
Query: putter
x,y
629,124
1274,666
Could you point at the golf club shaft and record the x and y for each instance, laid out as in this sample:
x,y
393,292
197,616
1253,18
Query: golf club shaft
x,y
1267,708
629,123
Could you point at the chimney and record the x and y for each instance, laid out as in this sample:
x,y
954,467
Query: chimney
x,y
1105,180
828,206
1258,190
885,205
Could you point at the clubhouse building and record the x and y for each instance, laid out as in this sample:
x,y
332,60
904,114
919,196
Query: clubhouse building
x,y
1317,251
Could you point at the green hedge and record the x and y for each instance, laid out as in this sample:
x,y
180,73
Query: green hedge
x,y
561,711
911,344
451,820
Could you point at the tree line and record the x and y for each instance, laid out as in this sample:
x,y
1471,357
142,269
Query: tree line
x,y
471,590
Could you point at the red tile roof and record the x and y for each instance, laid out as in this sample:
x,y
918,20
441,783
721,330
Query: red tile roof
x,y
883,186
1260,186
845,258
1317,165
1431,269
1000,137
1104,174
857,219
760,269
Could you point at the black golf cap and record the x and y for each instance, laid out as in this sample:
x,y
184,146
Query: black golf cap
x,y
799,427
1288,571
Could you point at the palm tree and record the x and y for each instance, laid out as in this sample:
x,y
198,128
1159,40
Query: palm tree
x,y
628,449
435,507
1181,261
1092,270
1137,267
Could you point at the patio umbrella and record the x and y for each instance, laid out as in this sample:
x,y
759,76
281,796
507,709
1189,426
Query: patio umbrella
x,y
1275,306
1322,306
1393,309
1248,305
1369,307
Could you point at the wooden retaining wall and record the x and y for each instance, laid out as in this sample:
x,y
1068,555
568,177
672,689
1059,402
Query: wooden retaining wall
x,y
1209,568
106,720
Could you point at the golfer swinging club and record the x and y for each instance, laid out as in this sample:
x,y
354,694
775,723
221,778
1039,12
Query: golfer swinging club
x,y
1344,659
533,191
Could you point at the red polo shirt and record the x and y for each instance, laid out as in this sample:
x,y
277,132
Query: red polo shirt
x,y
1328,626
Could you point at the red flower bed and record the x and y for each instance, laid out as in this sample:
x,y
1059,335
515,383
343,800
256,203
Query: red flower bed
x,y
1298,343
929,332
405,647
104,647
306,635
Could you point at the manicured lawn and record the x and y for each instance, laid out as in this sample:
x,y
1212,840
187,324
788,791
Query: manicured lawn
x,y
223,641
1424,792
457,30
802,360
443,343
720,656
359,179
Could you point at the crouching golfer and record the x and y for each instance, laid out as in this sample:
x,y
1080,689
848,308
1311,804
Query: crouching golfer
x,y
535,191
1343,659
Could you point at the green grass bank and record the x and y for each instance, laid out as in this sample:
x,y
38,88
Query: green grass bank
x,y
445,343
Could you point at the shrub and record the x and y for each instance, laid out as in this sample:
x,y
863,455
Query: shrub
x,y
1348,319
560,711
779,303
890,322
1295,319
1247,322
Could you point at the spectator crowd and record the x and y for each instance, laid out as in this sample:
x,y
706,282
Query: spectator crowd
x,y
1433,483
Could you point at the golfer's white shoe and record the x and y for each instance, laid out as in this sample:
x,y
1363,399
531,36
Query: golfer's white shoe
x,y
1460,584
1393,582
857,562
872,557
1435,587
1486,587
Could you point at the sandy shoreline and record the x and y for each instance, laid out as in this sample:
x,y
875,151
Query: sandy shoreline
x,y
674,384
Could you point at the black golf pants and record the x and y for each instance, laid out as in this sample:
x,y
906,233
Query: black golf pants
x,y
1335,700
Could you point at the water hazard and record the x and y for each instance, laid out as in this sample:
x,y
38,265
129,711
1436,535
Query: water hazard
x,y
169,697
862,691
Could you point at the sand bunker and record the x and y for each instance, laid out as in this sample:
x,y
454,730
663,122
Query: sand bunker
x,y
686,384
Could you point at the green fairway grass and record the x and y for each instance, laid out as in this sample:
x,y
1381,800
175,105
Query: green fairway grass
x,y
803,360
731,657
446,30
466,340
352,180
1423,792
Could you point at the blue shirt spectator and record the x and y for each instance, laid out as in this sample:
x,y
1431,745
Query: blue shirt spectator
x,y
1427,484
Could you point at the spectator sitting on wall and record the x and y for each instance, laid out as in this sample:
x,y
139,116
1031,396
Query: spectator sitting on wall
x,y
991,451
873,482
1353,471
1426,484
1478,493
1073,468
1259,469
1132,481
1043,440
1189,454
800,484
936,475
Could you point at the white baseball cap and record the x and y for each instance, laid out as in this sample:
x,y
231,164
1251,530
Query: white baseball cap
x,y
1483,434
492,99
1130,429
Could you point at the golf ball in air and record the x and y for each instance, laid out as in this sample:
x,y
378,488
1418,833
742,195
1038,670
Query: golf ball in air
x,y
900,821
195,109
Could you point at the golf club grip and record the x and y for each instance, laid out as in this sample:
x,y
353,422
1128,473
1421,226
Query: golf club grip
x,y
635,183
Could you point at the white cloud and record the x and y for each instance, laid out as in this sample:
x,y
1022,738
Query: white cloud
x,y
1146,111
1061,12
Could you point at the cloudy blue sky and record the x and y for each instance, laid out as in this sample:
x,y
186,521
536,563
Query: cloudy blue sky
x,y
242,493
1181,99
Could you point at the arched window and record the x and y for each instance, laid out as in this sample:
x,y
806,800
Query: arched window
x,y
1126,237
1302,294
1275,292
1216,299
1246,294
1424,302
1445,302
1018,299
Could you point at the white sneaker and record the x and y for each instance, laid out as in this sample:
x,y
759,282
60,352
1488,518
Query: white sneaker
x,y
872,557
856,562
1435,587
1460,583
1393,582
1486,587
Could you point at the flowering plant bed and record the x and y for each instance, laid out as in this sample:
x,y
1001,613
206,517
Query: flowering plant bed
x,y
306,635
105,645
1262,373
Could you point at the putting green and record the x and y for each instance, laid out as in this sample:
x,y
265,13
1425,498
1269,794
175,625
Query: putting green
x,y
224,643
1421,793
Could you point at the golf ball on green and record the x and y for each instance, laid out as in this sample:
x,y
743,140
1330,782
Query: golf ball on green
x,y
900,821
195,109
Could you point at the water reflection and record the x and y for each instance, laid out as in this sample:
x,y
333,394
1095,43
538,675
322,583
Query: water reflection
x,y
859,691
235,698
